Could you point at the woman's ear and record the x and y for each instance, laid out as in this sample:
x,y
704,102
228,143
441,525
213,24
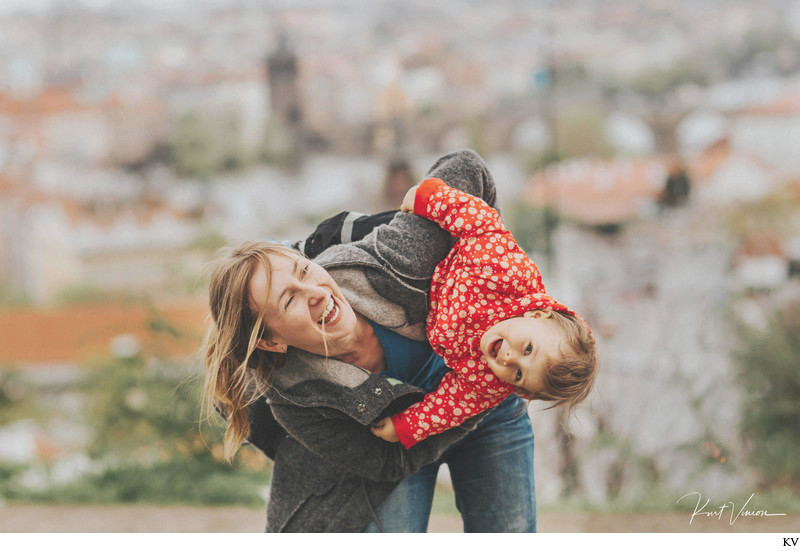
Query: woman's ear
x,y
271,346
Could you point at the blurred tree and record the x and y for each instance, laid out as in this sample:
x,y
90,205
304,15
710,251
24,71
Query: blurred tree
x,y
531,226
775,214
767,369
277,148
146,408
201,146
11,295
476,129
581,132
192,147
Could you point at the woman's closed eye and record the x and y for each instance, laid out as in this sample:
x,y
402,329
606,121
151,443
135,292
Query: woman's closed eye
x,y
303,274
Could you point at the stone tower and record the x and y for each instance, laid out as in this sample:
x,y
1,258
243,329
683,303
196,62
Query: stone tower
x,y
286,135
284,97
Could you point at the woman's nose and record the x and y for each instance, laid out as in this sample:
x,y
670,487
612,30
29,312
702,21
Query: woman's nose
x,y
315,293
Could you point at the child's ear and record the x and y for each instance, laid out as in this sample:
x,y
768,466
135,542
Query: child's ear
x,y
538,314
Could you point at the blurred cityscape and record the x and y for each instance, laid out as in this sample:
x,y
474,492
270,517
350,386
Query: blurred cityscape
x,y
647,155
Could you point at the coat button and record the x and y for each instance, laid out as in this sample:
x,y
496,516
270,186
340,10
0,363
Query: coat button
x,y
361,408
378,391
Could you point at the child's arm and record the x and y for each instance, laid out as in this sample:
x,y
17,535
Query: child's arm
x,y
459,397
457,212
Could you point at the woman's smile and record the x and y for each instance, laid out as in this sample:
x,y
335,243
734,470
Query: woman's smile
x,y
331,315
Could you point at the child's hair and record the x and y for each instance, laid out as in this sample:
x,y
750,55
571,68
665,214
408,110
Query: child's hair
x,y
236,372
569,379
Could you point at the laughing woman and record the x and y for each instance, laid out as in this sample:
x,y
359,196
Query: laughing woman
x,y
301,356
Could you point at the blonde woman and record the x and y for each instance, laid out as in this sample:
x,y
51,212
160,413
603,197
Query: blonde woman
x,y
303,355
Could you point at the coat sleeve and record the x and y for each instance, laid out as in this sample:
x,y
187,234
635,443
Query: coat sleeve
x,y
462,397
397,243
352,446
265,432
460,214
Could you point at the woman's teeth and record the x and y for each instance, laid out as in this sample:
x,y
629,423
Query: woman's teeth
x,y
330,313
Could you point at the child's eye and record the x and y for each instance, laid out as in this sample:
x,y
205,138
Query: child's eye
x,y
528,349
518,375
304,271
288,303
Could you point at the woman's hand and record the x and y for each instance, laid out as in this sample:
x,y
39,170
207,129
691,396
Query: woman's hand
x,y
384,428
408,200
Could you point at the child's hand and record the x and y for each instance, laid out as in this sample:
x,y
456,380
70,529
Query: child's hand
x,y
408,200
384,428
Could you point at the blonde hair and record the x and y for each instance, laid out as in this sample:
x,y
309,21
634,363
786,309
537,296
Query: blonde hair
x,y
236,371
570,378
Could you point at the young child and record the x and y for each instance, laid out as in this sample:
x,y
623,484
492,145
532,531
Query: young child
x,y
491,321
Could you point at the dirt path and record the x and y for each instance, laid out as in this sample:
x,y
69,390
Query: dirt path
x,y
137,518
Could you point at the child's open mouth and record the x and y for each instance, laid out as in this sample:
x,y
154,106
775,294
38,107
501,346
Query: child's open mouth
x,y
494,349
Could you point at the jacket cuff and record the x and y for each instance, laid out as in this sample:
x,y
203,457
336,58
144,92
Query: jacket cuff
x,y
423,196
403,430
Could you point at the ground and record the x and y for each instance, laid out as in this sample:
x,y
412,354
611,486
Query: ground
x,y
147,518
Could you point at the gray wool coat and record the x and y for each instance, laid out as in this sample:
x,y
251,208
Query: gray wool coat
x,y
331,474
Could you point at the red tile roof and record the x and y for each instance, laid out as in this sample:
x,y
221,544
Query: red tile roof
x,y
36,337
597,191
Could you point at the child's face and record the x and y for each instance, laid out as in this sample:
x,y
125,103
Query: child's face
x,y
518,350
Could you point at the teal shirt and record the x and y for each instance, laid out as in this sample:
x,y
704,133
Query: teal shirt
x,y
410,361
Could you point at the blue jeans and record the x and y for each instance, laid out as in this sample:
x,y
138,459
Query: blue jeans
x,y
492,474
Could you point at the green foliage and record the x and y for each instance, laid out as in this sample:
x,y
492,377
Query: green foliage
x,y
661,81
476,131
148,410
532,226
149,443
16,397
8,471
774,214
200,480
580,132
11,295
208,240
202,146
768,370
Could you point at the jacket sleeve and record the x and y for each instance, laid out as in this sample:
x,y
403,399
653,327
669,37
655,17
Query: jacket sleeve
x,y
265,432
351,446
458,398
458,213
397,243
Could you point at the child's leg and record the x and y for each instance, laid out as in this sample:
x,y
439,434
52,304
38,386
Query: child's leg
x,y
492,472
408,509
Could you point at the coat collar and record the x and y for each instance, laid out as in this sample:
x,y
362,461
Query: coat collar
x,y
309,380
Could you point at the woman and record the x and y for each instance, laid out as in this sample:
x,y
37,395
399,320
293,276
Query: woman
x,y
314,338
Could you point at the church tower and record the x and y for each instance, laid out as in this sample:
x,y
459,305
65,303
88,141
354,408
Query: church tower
x,y
282,72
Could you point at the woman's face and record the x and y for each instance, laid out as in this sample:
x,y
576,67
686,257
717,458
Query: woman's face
x,y
301,297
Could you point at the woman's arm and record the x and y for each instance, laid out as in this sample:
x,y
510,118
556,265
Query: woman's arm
x,y
351,446
265,432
